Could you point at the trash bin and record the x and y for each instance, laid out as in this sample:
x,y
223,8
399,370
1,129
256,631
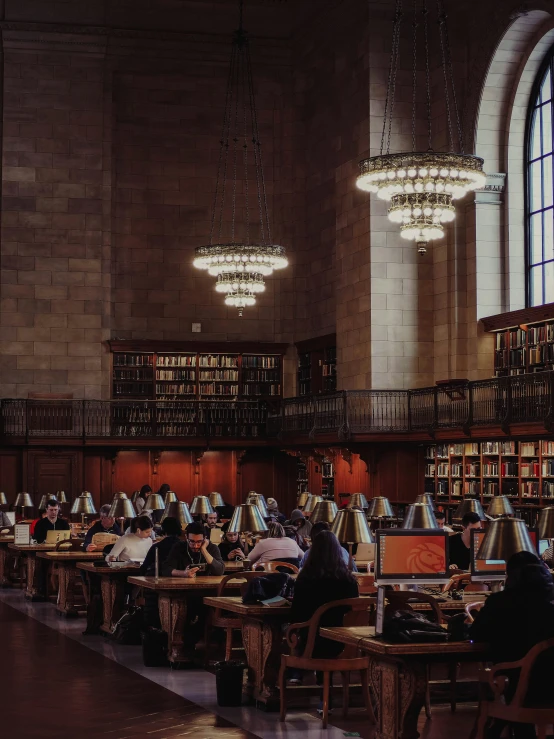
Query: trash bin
x,y
228,682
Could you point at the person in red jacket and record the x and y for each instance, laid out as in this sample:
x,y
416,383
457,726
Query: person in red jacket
x,y
41,514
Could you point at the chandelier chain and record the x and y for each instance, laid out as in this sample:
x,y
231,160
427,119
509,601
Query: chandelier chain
x,y
414,77
221,164
425,15
244,84
449,73
235,145
391,83
394,78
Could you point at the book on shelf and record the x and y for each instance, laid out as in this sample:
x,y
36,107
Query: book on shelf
x,y
218,360
132,360
430,452
471,449
511,339
508,447
529,469
260,362
457,488
456,450
548,489
457,469
472,487
509,468
547,448
443,469
217,388
529,449
176,360
175,374
490,488
266,389
473,469
548,467
489,447
430,470
175,389
530,489
541,334
442,451
490,469
442,487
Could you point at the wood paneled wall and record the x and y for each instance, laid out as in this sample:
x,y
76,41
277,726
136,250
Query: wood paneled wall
x,y
394,470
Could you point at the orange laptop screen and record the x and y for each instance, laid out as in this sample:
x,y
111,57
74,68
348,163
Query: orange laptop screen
x,y
412,555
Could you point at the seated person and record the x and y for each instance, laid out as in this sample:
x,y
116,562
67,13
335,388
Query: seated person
x,y
41,514
301,523
134,545
273,510
324,578
317,528
105,525
231,548
441,520
459,543
51,522
276,546
512,622
171,533
185,556
210,522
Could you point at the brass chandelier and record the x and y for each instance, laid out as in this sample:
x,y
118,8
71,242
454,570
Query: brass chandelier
x,y
240,261
422,186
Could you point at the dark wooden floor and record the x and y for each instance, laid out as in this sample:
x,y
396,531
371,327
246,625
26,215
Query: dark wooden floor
x,y
53,687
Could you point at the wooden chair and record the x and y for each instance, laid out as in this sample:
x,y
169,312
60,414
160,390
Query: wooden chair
x,y
366,585
515,711
345,663
277,566
463,580
472,608
219,619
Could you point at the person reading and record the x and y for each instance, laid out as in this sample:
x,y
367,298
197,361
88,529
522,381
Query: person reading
x,y
459,543
51,522
186,558
105,525
133,546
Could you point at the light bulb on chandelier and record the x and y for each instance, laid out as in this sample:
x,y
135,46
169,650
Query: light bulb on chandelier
x,y
421,186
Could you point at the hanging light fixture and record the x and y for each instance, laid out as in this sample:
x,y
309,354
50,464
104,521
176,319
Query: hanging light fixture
x,y
240,261
422,186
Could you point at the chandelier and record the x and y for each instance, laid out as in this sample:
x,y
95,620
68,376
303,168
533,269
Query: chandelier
x,y
239,258
422,186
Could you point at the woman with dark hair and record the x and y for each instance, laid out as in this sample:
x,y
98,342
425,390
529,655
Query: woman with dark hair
x,y
513,621
324,578
135,545
140,502
276,546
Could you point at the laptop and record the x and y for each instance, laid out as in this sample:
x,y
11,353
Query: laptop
x,y
53,537
216,535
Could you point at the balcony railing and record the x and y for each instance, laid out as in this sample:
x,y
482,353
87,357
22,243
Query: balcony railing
x,y
497,402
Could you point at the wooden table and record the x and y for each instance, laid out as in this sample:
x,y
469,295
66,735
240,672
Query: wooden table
x,y
5,557
173,593
398,674
112,589
67,576
262,635
36,569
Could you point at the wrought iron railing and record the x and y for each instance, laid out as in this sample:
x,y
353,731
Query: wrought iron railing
x,y
497,402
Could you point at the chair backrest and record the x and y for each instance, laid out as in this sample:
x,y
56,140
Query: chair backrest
x,y
67,545
527,664
400,600
357,614
463,580
472,608
278,566
241,575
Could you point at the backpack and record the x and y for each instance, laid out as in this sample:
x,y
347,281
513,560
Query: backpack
x,y
269,586
408,627
129,627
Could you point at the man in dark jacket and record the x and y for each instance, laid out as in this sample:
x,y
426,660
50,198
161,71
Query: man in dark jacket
x,y
50,522
171,532
105,525
513,621
186,556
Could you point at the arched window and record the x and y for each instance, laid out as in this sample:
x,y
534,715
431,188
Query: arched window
x,y
540,189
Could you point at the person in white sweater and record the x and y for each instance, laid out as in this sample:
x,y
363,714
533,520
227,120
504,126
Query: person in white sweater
x,y
277,546
134,545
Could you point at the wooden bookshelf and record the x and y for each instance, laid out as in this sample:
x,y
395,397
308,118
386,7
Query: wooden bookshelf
x,y
522,470
524,340
317,365
178,375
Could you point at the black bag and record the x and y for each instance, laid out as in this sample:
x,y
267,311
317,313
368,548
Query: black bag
x,y
269,586
458,630
409,627
154,648
129,627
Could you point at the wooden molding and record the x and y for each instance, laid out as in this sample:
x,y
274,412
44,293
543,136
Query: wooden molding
x,y
316,344
216,347
516,318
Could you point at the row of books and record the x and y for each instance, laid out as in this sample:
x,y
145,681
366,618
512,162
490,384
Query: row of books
x,y
261,376
529,469
218,360
474,449
176,360
264,362
175,374
512,339
539,334
261,389
175,389
509,358
541,354
132,360
229,375
130,374
134,389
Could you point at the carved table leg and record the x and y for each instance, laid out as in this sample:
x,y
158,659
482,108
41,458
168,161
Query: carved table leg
x,y
173,617
67,575
262,644
400,691
36,577
5,558
113,600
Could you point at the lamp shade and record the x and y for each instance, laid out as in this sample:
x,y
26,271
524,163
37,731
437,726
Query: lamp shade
x,y
24,500
358,500
426,498
259,502
311,503
60,496
380,508
302,500
505,537
325,510
247,517
83,504
420,516
171,497
122,507
201,506
3,499
179,510
546,523
216,499
350,527
154,502
500,506
469,505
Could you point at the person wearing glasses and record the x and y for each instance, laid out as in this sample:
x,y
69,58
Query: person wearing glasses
x,y
193,555
106,525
